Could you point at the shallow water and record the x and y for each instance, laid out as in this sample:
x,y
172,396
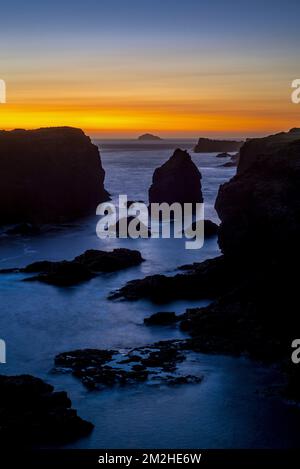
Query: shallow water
x,y
228,409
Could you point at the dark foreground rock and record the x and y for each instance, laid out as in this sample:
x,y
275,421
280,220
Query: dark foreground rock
x,y
49,175
207,145
32,412
98,369
82,268
177,180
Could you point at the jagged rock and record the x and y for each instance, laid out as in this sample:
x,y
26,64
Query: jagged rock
x,y
207,145
49,175
31,412
82,268
201,280
103,368
177,180
161,318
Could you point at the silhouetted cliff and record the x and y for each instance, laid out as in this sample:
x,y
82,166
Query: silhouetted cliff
x,y
207,145
49,175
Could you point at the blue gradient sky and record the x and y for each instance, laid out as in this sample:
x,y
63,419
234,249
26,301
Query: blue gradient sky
x,y
120,67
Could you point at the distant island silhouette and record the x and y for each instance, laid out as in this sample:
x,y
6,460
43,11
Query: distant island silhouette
x,y
149,137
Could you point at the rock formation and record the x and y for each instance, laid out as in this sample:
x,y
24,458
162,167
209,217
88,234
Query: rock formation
x,y
80,269
254,284
49,175
177,180
260,207
207,145
31,412
149,137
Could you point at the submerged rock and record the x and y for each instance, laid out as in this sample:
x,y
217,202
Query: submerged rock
x,y
207,145
32,412
223,155
49,175
98,369
82,268
177,180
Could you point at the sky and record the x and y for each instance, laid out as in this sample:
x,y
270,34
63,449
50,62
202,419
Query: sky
x,y
120,68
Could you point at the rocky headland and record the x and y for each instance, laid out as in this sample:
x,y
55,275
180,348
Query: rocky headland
x,y
207,145
49,175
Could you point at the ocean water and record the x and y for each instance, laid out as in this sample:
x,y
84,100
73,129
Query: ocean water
x,y
229,409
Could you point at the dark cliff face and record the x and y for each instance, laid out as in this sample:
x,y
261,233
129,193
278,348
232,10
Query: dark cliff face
x,y
260,206
177,180
207,145
258,148
49,175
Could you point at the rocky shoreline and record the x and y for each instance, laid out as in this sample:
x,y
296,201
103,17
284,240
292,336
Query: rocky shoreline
x,y
251,286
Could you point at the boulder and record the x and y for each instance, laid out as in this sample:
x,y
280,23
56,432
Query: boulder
x,y
49,175
177,180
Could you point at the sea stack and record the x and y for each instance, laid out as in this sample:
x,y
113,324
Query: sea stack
x,y
49,175
177,180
